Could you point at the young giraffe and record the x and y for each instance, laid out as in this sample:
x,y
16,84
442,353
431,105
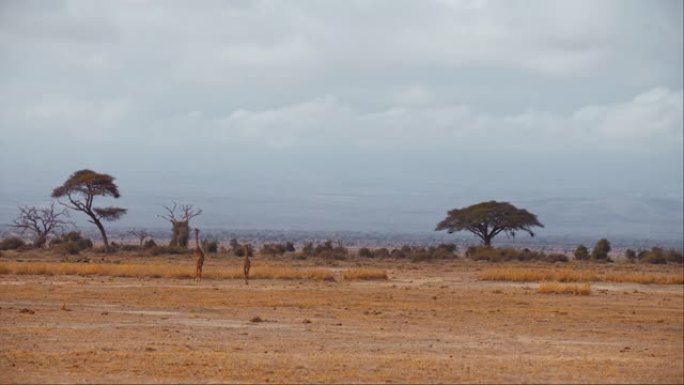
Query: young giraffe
x,y
199,257
247,251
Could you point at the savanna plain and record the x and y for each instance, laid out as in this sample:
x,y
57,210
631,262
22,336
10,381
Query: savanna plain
x,y
127,319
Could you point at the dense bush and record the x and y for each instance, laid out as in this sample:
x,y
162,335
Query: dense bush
x,y
415,254
324,250
210,246
630,255
12,243
601,250
71,243
277,248
505,254
658,255
581,253
150,243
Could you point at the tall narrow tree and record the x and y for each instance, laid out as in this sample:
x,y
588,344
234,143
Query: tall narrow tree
x,y
488,219
81,189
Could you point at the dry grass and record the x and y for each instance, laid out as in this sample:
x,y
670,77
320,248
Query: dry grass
x,y
159,270
364,273
564,288
517,274
641,277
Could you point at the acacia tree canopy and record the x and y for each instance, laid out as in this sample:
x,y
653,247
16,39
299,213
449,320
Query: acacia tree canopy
x,y
488,219
81,189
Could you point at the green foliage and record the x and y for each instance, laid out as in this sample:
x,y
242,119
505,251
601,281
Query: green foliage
x,y
601,250
12,243
581,253
488,219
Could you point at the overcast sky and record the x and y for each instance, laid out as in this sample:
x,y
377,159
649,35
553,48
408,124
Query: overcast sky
x,y
350,115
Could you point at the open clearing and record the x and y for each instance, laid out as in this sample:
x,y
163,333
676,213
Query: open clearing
x,y
429,322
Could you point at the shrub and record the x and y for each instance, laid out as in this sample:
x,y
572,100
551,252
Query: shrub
x,y
601,250
556,257
210,246
174,250
150,243
277,248
365,252
73,243
12,243
581,253
631,255
658,255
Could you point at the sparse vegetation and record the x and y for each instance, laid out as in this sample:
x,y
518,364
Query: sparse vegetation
x,y
516,274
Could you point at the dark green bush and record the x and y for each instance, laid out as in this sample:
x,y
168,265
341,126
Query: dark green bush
x,y
12,243
601,250
630,255
581,253
71,243
660,256
210,246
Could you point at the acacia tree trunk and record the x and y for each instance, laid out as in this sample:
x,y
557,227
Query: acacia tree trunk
x,y
102,230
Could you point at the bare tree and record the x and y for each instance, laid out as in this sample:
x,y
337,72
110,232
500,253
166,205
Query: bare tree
x,y
141,235
180,217
41,221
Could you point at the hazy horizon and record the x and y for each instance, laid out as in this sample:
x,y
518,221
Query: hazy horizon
x,y
351,116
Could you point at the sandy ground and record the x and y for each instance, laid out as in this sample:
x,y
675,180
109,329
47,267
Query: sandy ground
x,y
429,323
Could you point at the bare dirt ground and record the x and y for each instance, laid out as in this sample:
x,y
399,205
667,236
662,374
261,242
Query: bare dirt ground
x,y
429,323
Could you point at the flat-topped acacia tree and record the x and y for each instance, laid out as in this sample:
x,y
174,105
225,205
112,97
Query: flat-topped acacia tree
x,y
488,219
81,189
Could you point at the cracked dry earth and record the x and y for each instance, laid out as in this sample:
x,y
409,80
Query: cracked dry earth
x,y
429,324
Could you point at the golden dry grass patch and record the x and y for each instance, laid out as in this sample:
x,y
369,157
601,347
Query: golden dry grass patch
x,y
646,278
160,270
365,273
564,288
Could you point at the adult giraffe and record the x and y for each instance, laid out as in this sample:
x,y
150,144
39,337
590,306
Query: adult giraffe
x,y
199,257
